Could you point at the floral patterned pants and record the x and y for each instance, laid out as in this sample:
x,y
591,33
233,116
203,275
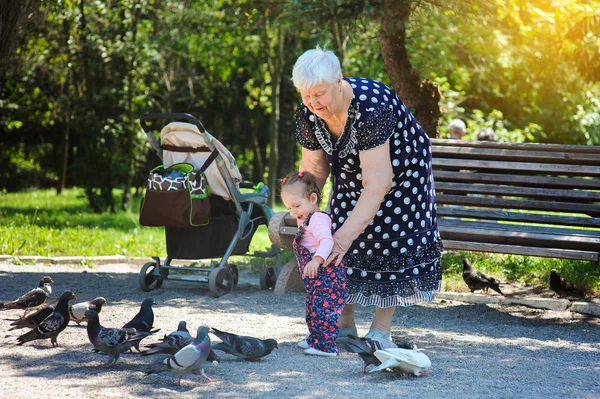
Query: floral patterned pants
x,y
325,299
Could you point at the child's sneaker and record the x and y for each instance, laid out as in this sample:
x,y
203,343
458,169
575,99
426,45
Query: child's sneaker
x,y
303,344
316,352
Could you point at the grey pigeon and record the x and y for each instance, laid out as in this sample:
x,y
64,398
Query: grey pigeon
x,y
476,280
243,347
188,359
52,325
35,297
111,341
78,310
366,348
143,320
33,319
562,287
171,343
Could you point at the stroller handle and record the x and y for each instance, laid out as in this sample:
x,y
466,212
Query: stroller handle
x,y
172,117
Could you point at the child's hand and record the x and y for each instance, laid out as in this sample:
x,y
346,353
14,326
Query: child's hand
x,y
312,268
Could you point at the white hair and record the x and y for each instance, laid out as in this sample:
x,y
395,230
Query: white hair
x,y
457,126
315,67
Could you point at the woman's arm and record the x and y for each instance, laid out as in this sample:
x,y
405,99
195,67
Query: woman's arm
x,y
316,163
377,177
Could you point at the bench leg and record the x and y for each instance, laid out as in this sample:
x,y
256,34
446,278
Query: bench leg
x,y
289,279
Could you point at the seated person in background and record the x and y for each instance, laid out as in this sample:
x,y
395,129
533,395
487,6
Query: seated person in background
x,y
486,134
457,129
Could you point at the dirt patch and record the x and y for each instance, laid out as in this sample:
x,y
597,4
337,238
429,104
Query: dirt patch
x,y
476,350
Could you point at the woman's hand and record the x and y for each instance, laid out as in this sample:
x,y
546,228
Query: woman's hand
x,y
341,245
312,268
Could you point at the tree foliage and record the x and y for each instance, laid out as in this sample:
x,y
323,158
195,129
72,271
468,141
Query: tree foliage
x,y
82,72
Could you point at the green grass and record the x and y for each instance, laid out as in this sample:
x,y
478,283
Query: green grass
x,y
44,224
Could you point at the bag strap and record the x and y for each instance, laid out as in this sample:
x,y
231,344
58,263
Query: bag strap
x,y
174,148
209,160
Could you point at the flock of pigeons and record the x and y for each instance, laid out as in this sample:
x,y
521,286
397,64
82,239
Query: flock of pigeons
x,y
186,353
46,320
476,280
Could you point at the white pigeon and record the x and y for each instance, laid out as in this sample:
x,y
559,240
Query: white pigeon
x,y
408,361
78,310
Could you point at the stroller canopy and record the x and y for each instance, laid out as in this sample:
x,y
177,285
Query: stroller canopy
x,y
180,134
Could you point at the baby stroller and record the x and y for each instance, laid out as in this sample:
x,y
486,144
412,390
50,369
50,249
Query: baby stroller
x,y
233,219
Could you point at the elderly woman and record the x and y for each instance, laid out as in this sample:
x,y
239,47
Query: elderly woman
x,y
383,198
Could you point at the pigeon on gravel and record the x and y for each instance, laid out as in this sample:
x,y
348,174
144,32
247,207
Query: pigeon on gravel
x,y
111,341
37,308
52,325
187,360
562,287
476,280
143,320
35,297
32,319
78,310
407,361
366,347
171,343
243,347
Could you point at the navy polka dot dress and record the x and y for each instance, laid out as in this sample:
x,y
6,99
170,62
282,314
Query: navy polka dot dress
x,y
396,260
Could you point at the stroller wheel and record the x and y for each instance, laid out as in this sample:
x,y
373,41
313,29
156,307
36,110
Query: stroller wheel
x,y
267,278
235,273
220,281
148,281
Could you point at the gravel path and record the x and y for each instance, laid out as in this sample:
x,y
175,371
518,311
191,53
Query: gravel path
x,y
476,350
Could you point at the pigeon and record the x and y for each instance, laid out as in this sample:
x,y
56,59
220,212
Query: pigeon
x,y
143,320
366,347
171,343
175,341
188,359
78,310
35,297
562,287
33,319
111,341
52,325
408,361
37,308
243,347
479,281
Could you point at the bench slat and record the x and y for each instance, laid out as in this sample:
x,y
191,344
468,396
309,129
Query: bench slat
x,y
589,256
516,155
562,233
520,180
459,211
507,237
540,168
523,192
437,143
550,206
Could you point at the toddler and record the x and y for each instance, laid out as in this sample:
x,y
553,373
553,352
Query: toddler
x,y
325,286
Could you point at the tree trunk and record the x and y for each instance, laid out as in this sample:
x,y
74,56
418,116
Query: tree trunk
x,y
131,130
276,72
12,15
64,151
421,96
65,142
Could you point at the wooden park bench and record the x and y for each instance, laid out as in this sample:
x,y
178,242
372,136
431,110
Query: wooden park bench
x,y
512,198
